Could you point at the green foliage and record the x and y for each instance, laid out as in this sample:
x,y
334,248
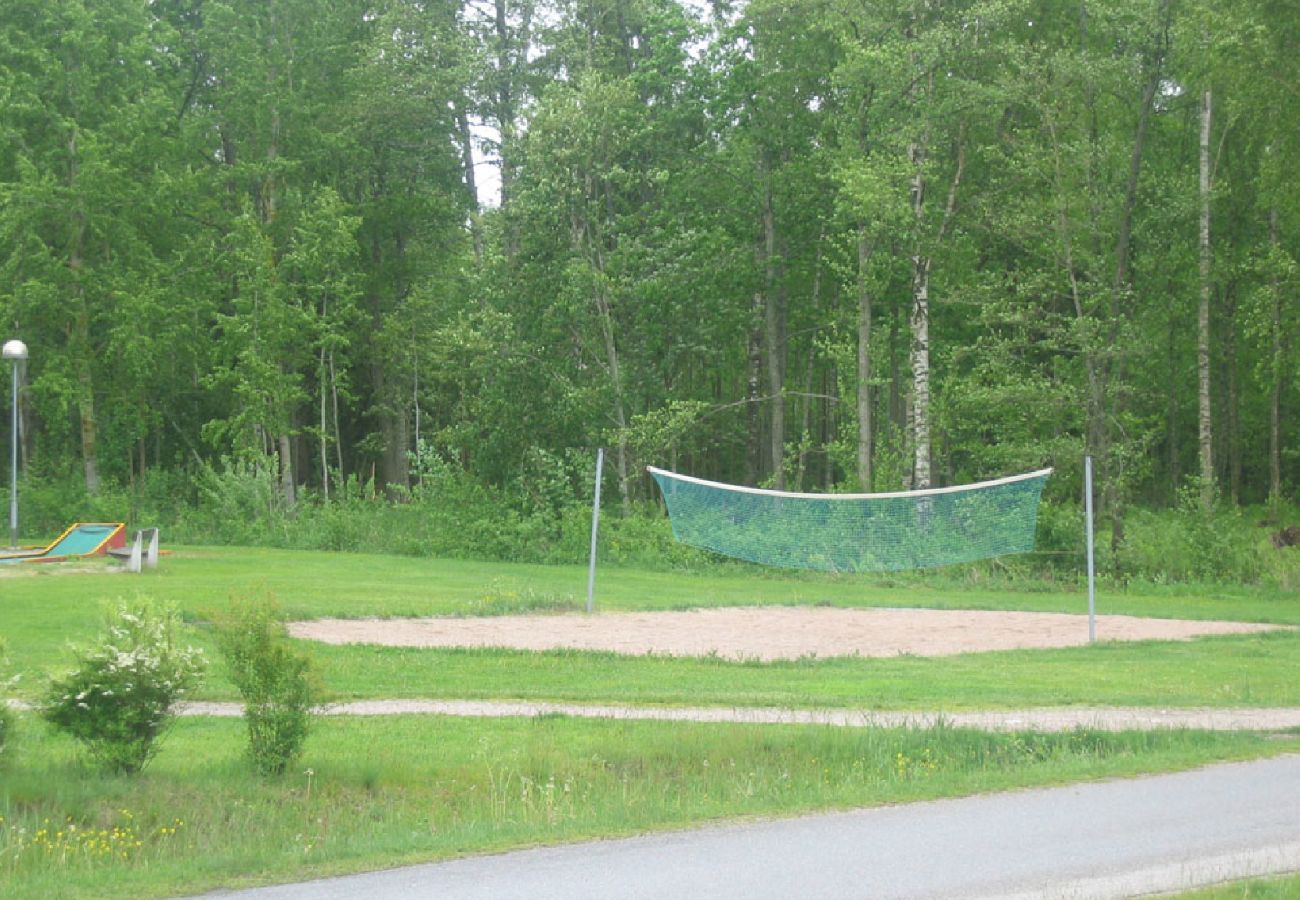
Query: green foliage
x,y
275,681
6,729
6,714
235,502
49,503
241,276
450,513
1060,532
118,700
1191,543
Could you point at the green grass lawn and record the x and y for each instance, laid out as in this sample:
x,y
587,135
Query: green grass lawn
x,y
1225,671
373,792
45,609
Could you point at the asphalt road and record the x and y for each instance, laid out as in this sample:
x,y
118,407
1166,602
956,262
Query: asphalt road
x,y
1110,839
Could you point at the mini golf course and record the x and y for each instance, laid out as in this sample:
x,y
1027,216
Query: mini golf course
x,y
79,539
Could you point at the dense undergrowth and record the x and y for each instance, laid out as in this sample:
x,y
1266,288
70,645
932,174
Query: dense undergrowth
x,y
448,514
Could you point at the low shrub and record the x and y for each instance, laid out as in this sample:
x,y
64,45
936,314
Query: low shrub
x,y
275,681
118,700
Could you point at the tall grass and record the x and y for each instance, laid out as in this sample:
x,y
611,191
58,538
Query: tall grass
x,y
377,791
1285,888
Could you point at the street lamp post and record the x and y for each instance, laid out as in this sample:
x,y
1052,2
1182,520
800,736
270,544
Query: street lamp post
x,y
17,351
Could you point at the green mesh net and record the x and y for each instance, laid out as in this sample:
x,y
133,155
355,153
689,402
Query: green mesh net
x,y
856,532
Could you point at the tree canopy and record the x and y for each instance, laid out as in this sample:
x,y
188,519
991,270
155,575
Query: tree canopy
x,y
816,244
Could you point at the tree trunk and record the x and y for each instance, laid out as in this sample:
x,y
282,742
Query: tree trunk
x,y
1275,379
831,430
805,424
394,464
1171,415
1206,430
80,338
1112,498
505,100
920,356
1094,400
587,235
334,398
89,432
753,381
919,322
471,181
1234,393
270,186
864,364
805,420
920,318
900,417
324,432
774,337
287,490
604,308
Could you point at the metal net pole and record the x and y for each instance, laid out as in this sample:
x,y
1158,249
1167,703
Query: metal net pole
x,y
595,524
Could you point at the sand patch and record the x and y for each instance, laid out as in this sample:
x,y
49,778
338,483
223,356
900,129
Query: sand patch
x,y
34,569
766,632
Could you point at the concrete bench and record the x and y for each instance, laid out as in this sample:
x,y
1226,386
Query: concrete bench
x,y
143,551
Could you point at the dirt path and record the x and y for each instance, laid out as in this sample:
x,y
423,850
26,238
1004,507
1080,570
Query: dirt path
x,y
766,632
1043,719
1064,718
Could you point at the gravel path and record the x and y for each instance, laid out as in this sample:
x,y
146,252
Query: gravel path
x,y
1063,718
1045,719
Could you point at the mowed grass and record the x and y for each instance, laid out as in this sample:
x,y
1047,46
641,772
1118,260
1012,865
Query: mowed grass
x,y
1225,671
374,792
379,791
44,609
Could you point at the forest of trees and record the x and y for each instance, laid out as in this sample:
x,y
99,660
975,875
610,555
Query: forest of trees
x,y
812,244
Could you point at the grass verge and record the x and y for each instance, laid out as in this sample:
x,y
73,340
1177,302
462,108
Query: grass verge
x,y
374,792
1285,888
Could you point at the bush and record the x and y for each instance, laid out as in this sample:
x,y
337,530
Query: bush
x,y
1193,544
275,681
237,503
118,701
